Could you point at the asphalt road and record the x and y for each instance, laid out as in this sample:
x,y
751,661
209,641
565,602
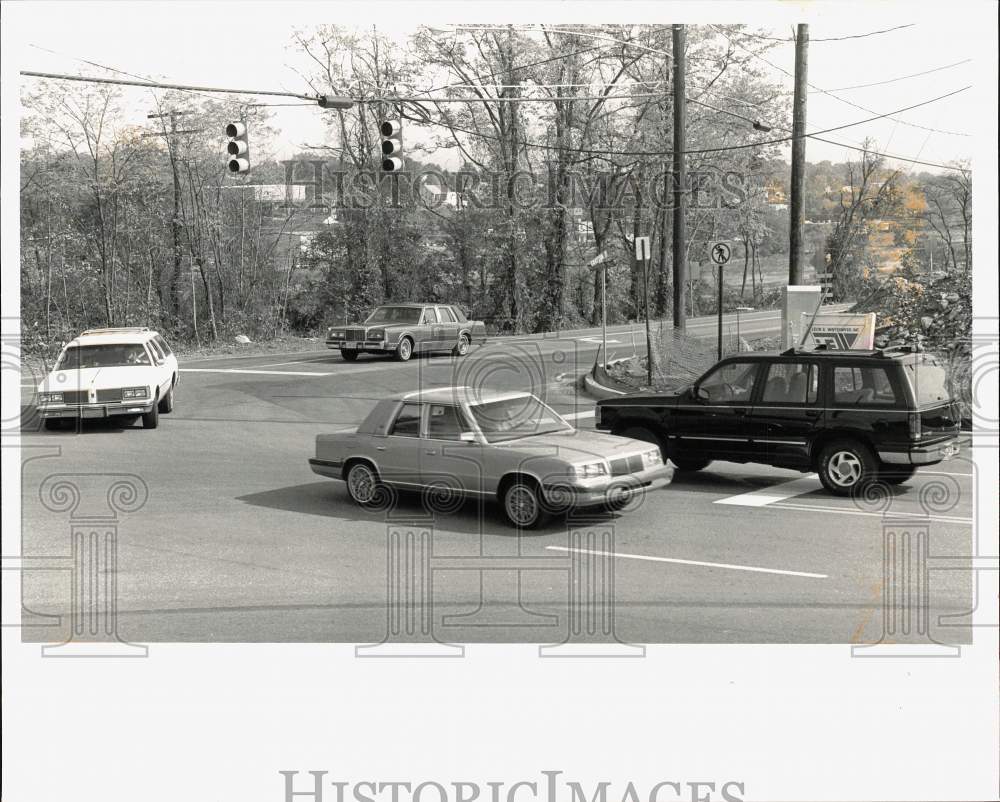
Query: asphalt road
x,y
239,541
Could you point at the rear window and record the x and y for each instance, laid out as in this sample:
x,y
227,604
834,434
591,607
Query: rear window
x,y
864,386
929,380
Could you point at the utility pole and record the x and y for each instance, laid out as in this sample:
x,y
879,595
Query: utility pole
x,y
798,156
680,180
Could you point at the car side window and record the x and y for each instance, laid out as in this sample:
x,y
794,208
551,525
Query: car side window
x,y
407,422
429,318
444,422
459,314
156,351
791,383
158,339
730,384
445,314
862,385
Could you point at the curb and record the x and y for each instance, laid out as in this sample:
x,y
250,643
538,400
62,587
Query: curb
x,y
597,390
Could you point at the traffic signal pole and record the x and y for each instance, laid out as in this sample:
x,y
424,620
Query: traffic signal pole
x,y
797,210
680,180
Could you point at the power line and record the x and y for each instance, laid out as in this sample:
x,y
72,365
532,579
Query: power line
x,y
901,78
158,85
830,38
828,92
813,135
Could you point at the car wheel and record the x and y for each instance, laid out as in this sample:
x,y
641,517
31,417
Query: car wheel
x,y
404,350
362,483
152,418
846,465
349,356
642,433
463,346
686,462
167,402
522,505
896,474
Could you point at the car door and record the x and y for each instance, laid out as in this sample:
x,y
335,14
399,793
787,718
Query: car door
x,y
450,452
448,329
787,414
713,420
398,453
425,332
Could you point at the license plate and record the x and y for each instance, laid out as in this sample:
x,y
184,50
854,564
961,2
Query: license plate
x,y
350,345
93,413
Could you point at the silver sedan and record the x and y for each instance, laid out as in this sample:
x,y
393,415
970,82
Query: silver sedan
x,y
457,442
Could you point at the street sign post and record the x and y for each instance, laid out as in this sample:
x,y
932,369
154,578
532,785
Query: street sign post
x,y
720,253
598,262
642,256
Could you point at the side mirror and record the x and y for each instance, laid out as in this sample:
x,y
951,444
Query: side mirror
x,y
700,393
468,437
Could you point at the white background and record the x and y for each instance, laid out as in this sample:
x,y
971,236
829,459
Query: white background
x,y
217,723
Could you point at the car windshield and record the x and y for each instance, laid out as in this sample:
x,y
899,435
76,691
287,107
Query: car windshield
x,y
395,314
512,418
928,379
79,357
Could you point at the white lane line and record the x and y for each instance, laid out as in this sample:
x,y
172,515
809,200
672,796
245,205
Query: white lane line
x,y
943,473
293,362
888,514
253,372
769,495
578,415
727,566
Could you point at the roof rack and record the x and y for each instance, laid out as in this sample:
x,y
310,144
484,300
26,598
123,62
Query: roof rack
x,y
121,330
821,350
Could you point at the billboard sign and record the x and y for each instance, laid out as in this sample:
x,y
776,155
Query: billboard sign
x,y
841,332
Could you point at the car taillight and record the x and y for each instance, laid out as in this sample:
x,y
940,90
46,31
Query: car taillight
x,y
914,418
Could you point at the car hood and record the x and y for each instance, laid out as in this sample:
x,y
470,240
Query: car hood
x,y
579,445
98,378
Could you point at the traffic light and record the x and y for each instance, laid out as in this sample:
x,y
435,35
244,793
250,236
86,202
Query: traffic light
x,y
238,147
392,146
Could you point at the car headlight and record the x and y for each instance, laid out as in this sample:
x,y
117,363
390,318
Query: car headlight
x,y
50,398
652,458
135,392
590,469
336,335
376,334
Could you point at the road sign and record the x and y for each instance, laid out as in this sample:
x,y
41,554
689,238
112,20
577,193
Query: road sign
x,y
720,253
642,250
599,259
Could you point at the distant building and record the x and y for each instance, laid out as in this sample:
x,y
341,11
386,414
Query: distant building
x,y
437,196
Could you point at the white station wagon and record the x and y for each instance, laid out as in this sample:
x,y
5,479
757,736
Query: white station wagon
x,y
127,372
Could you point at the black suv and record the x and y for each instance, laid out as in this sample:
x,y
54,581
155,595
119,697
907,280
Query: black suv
x,y
851,416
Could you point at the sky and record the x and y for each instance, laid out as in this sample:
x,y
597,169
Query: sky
x,y
251,45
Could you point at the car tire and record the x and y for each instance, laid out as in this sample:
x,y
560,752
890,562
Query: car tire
x,y
404,350
167,402
688,463
845,466
349,356
896,474
644,434
464,343
362,483
523,506
152,418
